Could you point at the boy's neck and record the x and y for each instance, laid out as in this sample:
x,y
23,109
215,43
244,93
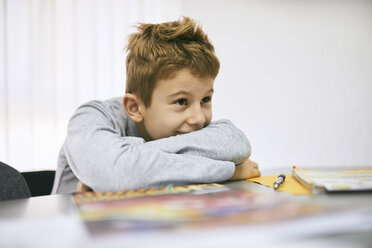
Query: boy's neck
x,y
142,131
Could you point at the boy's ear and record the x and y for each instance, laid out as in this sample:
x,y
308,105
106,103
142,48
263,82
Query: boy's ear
x,y
131,105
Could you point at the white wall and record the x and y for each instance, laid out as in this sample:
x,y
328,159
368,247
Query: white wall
x,y
296,77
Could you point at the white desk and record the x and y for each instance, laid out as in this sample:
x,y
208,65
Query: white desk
x,y
53,221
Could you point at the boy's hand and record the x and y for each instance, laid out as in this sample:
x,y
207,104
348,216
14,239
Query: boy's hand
x,y
82,187
247,169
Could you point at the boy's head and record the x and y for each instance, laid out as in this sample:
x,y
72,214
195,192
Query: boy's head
x,y
167,53
157,51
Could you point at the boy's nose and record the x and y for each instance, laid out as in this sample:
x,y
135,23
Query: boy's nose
x,y
197,118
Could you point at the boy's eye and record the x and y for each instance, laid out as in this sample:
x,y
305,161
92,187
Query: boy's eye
x,y
206,99
181,102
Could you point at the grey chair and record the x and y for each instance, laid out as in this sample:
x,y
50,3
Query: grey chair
x,y
12,184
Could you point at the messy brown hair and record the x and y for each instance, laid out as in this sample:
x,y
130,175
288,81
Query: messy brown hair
x,y
158,51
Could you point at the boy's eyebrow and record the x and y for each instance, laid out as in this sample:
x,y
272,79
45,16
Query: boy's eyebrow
x,y
185,92
210,91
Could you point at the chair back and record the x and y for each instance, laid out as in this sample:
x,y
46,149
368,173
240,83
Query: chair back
x,y
40,182
12,184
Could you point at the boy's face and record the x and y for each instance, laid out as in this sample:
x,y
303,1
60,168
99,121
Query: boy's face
x,y
179,105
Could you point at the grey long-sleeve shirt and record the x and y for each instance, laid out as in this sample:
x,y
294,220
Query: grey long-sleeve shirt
x,y
104,150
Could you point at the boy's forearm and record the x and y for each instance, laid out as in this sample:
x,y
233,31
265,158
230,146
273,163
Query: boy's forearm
x,y
114,163
221,140
105,161
141,169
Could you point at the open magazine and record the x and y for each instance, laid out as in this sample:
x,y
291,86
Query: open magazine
x,y
352,180
191,206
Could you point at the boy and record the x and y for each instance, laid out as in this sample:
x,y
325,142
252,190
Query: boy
x,y
161,131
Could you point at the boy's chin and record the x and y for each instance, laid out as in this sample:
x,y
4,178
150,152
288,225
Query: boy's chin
x,y
180,133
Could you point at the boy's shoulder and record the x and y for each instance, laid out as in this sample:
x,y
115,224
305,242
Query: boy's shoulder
x,y
109,113
111,108
114,103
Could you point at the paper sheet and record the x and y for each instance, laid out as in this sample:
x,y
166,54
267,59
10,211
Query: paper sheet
x,y
290,185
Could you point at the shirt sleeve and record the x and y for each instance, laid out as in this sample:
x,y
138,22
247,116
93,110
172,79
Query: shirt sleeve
x,y
105,161
220,140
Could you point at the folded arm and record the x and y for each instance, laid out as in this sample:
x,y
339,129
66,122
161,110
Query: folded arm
x,y
220,140
105,161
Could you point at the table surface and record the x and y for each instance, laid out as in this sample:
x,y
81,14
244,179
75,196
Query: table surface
x,y
53,221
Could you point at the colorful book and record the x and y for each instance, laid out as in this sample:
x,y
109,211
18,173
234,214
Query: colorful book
x,y
90,196
180,207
